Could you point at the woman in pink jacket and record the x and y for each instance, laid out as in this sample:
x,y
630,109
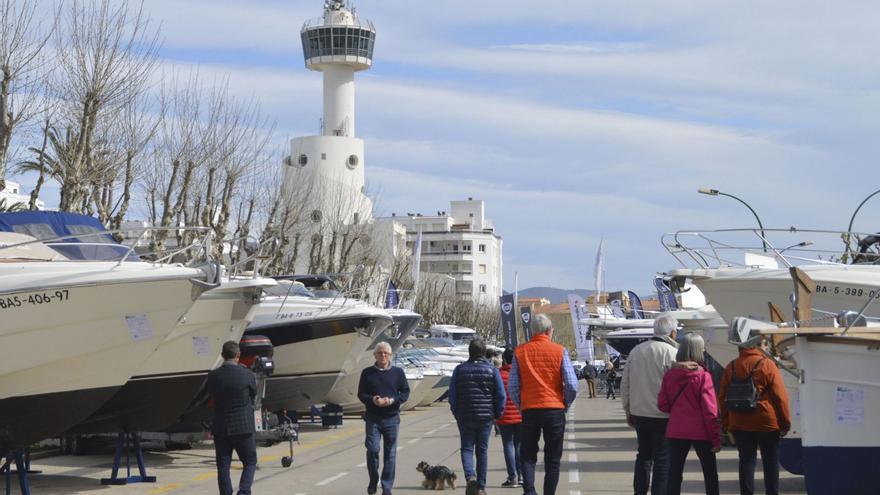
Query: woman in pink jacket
x,y
689,398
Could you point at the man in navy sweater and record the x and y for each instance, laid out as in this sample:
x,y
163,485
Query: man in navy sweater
x,y
382,389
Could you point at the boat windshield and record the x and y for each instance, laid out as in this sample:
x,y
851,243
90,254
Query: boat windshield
x,y
288,289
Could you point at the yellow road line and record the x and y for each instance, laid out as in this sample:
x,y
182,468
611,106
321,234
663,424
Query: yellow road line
x,y
204,476
167,488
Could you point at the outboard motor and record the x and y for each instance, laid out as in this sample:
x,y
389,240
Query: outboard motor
x,y
257,354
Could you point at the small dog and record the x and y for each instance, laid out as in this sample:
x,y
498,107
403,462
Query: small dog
x,y
436,477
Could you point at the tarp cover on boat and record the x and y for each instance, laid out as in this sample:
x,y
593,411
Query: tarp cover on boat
x,y
44,225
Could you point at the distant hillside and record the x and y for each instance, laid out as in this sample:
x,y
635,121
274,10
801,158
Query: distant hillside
x,y
555,296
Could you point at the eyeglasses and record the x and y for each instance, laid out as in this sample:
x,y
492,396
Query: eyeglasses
x,y
386,353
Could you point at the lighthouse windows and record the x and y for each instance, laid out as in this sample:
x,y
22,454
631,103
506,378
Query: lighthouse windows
x,y
348,41
353,161
302,160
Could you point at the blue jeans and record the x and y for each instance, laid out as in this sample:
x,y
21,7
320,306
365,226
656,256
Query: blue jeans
x,y
381,430
510,438
475,436
652,457
246,448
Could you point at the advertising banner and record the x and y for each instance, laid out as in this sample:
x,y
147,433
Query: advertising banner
x,y
583,338
508,320
525,314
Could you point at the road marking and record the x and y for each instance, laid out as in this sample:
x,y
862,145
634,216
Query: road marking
x,y
331,479
571,436
362,465
167,488
572,457
414,440
574,476
401,447
571,445
574,492
204,476
430,432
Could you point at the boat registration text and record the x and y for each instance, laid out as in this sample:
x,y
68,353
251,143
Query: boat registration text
x,y
35,299
845,291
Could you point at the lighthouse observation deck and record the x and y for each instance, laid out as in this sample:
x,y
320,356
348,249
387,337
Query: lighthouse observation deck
x,y
339,37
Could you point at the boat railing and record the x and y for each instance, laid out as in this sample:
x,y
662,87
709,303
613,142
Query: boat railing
x,y
752,247
126,252
253,260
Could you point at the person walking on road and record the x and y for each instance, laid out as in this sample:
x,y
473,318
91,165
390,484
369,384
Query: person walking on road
x,y
382,389
542,385
688,396
510,424
610,379
762,427
645,367
476,397
590,375
233,389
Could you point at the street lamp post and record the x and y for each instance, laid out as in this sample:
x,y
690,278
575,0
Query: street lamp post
x,y
800,244
853,218
716,192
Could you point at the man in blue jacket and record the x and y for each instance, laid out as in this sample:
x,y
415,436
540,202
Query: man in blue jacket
x,y
382,389
477,397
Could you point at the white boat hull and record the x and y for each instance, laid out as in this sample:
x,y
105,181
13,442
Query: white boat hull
x,y
95,327
166,384
839,400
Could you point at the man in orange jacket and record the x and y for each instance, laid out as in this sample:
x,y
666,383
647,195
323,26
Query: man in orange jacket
x,y
542,384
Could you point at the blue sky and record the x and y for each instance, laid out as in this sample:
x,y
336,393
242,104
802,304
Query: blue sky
x,y
575,120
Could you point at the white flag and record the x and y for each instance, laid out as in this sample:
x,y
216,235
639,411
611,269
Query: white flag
x,y
599,270
584,341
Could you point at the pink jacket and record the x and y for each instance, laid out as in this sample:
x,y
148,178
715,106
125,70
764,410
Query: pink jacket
x,y
694,415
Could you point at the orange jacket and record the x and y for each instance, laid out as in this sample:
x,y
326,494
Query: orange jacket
x,y
772,413
540,374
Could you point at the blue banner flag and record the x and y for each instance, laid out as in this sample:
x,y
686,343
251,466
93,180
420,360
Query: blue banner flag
x,y
392,297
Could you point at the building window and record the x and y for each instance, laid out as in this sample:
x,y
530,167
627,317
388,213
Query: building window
x,y
482,288
302,160
482,248
323,156
317,216
466,247
455,247
483,269
357,218
353,161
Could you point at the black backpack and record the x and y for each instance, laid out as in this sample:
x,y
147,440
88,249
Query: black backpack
x,y
742,394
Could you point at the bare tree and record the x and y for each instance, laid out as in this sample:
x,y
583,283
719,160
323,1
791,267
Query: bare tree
x,y
106,55
22,39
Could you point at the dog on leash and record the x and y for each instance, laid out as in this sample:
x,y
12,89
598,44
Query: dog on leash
x,y
436,477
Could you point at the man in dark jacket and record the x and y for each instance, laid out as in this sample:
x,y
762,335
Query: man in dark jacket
x,y
382,389
477,397
233,389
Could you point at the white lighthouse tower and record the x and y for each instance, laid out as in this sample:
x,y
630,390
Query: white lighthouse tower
x,y
326,172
